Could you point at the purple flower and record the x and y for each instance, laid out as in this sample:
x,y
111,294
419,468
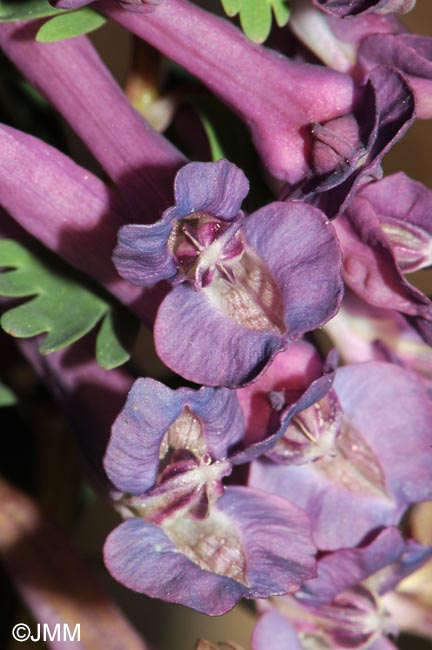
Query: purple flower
x,y
345,605
141,162
335,42
312,126
347,151
374,429
168,454
362,332
294,381
411,54
345,8
243,287
384,233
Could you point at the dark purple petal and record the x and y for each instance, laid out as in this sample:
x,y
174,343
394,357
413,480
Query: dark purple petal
x,y
221,417
382,116
334,41
370,268
201,344
411,54
273,632
216,189
388,415
345,8
299,247
142,256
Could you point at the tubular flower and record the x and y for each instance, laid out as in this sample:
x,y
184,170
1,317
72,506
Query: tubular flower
x,y
319,132
243,287
168,454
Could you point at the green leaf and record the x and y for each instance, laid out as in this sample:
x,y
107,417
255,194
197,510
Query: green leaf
x,y
256,16
256,19
281,12
116,337
59,305
231,7
70,24
229,138
216,150
11,10
7,397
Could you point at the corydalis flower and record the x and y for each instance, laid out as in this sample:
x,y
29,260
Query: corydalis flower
x,y
358,435
384,233
168,454
345,605
243,288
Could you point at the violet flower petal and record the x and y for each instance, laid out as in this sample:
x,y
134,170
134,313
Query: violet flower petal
x,y
398,405
293,370
411,54
141,254
273,632
217,190
403,207
346,568
298,246
132,457
212,349
143,557
334,41
300,251
345,8
370,268
70,74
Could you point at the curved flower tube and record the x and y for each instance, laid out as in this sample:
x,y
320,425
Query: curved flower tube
x,y
168,454
243,287
311,126
71,75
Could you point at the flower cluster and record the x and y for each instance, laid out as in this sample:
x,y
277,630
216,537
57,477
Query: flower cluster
x,y
283,474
